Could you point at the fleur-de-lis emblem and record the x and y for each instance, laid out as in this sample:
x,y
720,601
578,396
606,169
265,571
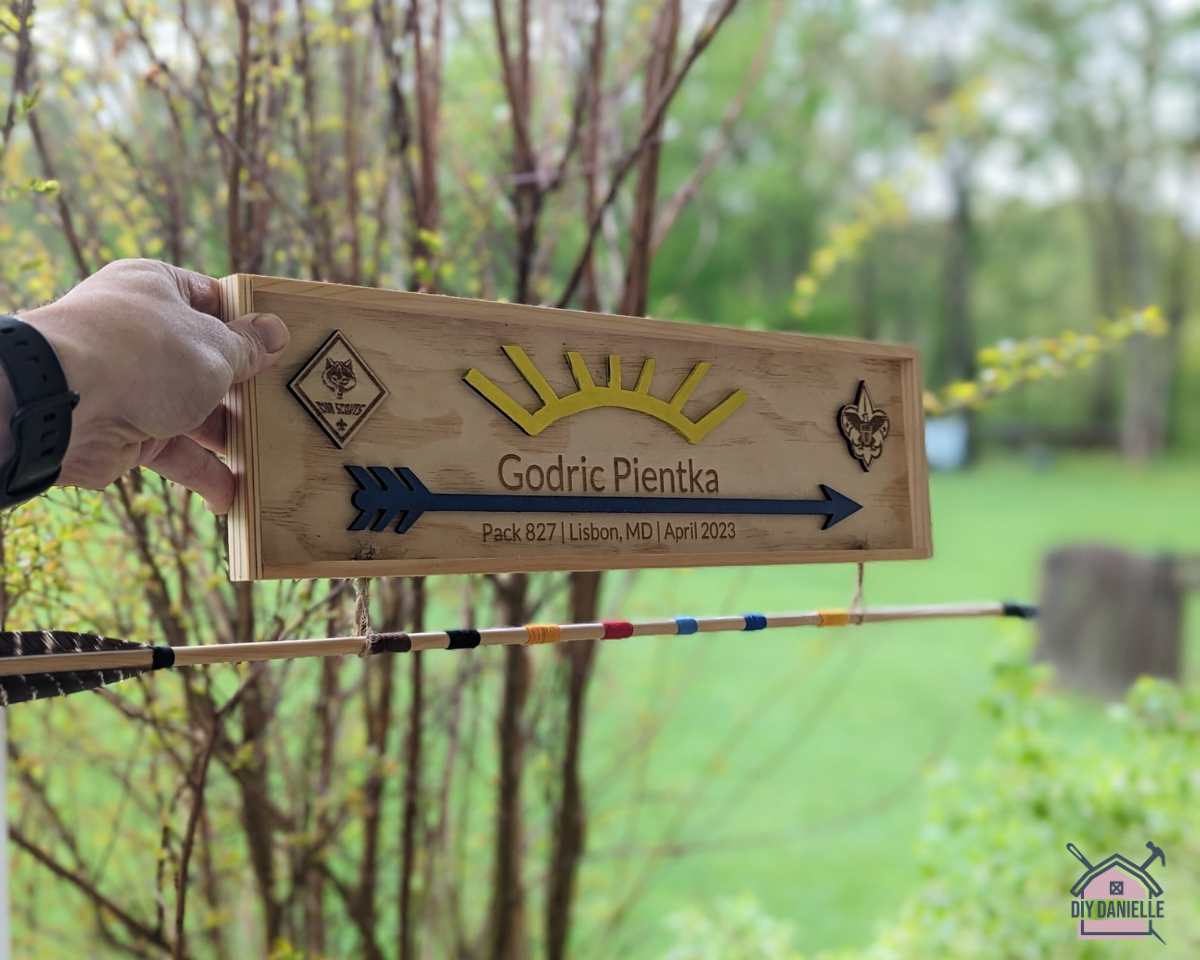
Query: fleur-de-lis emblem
x,y
864,427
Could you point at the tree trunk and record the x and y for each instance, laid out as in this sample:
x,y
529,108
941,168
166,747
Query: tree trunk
x,y
868,308
959,349
1112,292
412,780
1146,416
570,827
1147,398
664,37
253,779
1107,617
959,357
508,885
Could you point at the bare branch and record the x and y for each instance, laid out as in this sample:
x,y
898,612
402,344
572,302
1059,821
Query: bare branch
x,y
733,113
650,123
134,926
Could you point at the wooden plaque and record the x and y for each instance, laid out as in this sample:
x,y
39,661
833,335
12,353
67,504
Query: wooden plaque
x,y
405,434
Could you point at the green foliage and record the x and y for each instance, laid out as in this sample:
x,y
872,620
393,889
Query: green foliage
x,y
1014,363
993,846
882,207
996,873
734,929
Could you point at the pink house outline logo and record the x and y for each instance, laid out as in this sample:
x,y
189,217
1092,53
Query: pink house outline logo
x,y
1116,899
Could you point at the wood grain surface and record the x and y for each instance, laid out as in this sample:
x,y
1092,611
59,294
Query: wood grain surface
x,y
294,504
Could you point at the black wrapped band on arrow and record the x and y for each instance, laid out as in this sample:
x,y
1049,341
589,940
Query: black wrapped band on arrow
x,y
385,493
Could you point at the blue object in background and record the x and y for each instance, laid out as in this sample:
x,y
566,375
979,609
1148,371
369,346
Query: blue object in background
x,y
947,442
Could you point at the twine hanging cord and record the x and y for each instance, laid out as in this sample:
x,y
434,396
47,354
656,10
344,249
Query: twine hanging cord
x,y
373,642
856,603
855,614
362,614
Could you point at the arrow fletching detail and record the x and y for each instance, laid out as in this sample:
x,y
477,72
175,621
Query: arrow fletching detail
x,y
39,685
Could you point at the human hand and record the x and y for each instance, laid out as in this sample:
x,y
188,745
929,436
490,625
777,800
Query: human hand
x,y
142,344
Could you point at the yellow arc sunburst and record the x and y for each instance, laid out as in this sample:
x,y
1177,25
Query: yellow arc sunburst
x,y
590,396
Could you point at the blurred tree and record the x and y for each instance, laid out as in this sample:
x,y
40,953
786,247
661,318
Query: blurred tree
x,y
1104,83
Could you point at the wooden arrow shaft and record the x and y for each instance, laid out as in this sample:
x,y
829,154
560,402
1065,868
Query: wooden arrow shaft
x,y
441,640
551,503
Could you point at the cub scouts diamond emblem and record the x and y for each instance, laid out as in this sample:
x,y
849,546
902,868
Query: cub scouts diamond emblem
x,y
338,389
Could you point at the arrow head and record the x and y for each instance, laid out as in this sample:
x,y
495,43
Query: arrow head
x,y
840,507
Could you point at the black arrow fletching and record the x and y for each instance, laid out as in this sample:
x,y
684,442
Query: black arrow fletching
x,y
40,686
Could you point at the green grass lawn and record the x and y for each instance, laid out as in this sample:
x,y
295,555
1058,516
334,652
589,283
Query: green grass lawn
x,y
789,764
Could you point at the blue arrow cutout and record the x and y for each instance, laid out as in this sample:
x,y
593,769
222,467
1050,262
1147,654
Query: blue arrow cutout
x,y
384,493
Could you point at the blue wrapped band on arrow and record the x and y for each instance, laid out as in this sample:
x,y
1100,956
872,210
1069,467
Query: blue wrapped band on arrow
x,y
385,493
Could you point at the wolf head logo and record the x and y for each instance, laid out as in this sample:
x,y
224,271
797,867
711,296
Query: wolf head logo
x,y
339,376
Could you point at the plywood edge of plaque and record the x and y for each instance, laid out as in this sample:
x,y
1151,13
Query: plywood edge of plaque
x,y
918,465
245,286
241,445
244,443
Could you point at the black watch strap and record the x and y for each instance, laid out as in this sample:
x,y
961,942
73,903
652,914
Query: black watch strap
x,y
41,426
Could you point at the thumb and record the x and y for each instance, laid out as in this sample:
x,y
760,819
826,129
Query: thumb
x,y
255,341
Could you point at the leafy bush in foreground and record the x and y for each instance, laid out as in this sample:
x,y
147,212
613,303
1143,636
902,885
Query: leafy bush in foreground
x,y
995,870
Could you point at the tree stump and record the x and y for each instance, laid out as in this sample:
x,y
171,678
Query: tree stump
x,y
1106,617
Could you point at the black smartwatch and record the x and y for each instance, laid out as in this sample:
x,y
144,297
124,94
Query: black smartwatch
x,y
41,426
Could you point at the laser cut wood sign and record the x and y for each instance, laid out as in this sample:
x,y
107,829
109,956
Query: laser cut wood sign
x,y
405,434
